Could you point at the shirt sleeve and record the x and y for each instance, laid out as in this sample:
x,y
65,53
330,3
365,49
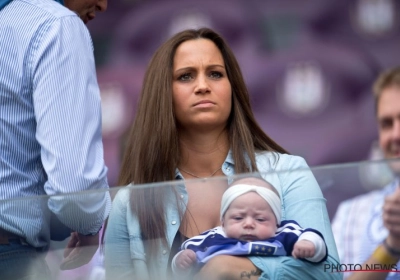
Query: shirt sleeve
x,y
67,107
319,244
340,229
337,224
124,254
304,203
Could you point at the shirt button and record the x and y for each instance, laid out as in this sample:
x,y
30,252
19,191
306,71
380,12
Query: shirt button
x,y
182,196
173,222
164,252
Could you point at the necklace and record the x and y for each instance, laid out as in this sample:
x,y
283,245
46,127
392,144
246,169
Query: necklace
x,y
191,174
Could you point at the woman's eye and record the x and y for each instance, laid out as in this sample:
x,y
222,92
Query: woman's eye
x,y
215,74
185,77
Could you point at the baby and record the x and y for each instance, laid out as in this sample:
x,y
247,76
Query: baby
x,y
251,225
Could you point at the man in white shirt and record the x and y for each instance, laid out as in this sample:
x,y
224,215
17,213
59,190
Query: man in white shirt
x,y
50,134
367,227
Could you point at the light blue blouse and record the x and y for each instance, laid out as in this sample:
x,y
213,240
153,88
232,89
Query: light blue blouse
x,y
302,201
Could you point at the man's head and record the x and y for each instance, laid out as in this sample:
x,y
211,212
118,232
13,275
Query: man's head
x,y
387,101
86,9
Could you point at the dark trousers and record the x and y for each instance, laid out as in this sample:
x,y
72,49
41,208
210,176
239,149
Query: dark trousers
x,y
20,261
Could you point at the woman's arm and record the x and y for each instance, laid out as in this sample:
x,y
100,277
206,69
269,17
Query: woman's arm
x,y
304,203
229,268
117,255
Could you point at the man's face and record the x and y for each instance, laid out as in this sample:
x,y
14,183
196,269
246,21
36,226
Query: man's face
x,y
388,114
86,9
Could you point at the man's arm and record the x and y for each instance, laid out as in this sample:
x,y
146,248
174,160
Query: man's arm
x,y
380,256
67,108
68,114
387,253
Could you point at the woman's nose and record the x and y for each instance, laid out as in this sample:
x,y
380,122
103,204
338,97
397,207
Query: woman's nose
x,y
202,85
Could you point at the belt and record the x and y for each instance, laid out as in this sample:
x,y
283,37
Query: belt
x,y
6,236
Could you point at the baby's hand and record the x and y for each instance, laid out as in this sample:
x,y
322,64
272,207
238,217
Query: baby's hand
x,y
185,259
303,249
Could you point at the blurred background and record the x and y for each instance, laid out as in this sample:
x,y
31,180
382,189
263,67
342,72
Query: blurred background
x,y
309,66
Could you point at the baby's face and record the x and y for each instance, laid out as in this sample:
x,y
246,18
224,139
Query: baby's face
x,y
249,218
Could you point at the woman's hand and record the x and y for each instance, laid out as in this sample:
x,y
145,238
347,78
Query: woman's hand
x,y
228,268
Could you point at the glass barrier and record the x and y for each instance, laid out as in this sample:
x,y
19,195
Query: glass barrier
x,y
192,207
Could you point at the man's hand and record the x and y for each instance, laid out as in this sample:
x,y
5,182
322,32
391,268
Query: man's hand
x,y
79,251
391,218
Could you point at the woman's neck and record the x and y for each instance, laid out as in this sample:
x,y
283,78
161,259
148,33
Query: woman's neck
x,y
203,154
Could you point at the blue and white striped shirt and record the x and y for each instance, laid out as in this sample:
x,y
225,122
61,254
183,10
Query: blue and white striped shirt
x,y
50,122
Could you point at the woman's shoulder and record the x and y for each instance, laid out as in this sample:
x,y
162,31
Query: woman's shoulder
x,y
267,160
122,196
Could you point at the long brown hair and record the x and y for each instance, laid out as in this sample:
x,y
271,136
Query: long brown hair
x,y
152,152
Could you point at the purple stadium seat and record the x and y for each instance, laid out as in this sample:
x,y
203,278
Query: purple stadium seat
x,y
143,29
370,24
120,89
308,98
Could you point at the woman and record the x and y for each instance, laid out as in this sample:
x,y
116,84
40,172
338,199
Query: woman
x,y
194,120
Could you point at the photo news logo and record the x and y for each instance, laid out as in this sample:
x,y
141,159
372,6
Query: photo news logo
x,y
360,268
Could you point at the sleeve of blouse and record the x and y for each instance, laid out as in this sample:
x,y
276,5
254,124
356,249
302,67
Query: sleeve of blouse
x,y
303,202
117,254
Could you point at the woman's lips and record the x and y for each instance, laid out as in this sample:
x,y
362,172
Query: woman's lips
x,y
204,104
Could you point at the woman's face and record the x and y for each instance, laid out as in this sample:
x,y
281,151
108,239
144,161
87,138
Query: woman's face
x,y
201,89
